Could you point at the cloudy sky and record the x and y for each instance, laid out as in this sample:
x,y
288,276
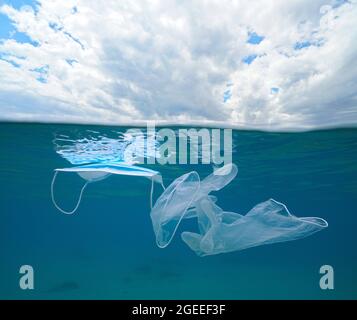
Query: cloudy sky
x,y
264,63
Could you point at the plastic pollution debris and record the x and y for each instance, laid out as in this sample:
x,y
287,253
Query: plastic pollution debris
x,y
268,222
97,172
221,231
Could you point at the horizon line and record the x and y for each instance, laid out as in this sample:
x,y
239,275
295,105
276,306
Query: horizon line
x,y
197,123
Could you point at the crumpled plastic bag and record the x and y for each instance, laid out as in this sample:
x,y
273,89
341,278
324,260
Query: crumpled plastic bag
x,y
221,231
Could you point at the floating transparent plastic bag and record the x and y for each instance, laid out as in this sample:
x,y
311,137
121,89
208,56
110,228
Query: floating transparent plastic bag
x,y
268,222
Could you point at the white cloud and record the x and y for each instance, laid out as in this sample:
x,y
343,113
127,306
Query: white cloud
x,y
172,60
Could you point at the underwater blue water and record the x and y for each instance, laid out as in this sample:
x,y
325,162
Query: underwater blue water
x,y
107,249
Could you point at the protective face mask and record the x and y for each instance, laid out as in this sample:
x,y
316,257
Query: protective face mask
x,y
97,172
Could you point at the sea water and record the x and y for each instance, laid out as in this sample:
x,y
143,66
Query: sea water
x,y
107,249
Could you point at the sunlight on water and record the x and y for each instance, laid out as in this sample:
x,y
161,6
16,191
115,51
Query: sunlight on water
x,y
90,146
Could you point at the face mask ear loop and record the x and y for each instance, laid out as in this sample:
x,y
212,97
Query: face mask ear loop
x,y
53,198
151,192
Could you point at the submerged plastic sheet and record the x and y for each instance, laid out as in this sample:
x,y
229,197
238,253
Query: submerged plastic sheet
x,y
220,231
268,222
217,180
178,200
96,172
172,205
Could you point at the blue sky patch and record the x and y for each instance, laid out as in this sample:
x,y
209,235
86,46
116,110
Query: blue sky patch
x,y
6,59
17,4
74,39
6,26
227,95
71,62
305,44
339,3
22,37
55,26
302,45
249,59
42,73
274,90
254,38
